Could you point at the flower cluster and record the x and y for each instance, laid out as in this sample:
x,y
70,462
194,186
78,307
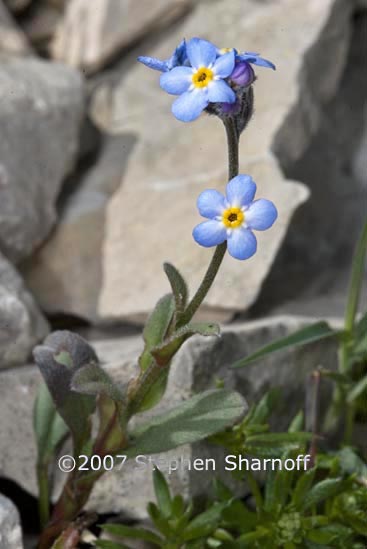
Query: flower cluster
x,y
233,217
219,81
202,74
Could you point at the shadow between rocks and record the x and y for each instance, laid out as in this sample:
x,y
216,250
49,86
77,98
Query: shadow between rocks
x,y
311,271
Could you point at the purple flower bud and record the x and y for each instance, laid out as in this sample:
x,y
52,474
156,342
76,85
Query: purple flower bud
x,y
230,109
243,74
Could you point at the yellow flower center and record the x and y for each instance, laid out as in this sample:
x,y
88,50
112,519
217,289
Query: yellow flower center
x,y
225,50
233,217
202,77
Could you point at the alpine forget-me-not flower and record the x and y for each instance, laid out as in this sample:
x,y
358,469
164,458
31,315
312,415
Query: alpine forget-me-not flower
x,y
233,217
201,83
177,59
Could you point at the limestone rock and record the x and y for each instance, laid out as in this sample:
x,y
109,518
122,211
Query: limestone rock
x,y
79,234
21,322
41,106
195,368
10,531
12,41
94,32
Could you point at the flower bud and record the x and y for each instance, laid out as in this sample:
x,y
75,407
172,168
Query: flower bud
x,y
243,74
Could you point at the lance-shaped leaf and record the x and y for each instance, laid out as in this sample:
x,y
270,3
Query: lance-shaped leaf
x,y
61,355
50,430
156,328
49,427
178,285
164,353
195,419
310,334
93,380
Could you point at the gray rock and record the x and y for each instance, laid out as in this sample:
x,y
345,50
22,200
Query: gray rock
x,y
92,33
80,234
198,365
10,531
21,322
318,250
41,105
12,41
159,180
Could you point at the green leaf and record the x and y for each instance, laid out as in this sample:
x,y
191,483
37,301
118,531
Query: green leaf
x,y
359,388
327,534
194,419
107,544
162,493
350,463
160,522
297,423
93,380
132,532
279,438
61,355
358,269
325,489
164,353
178,285
205,523
261,411
314,332
156,328
303,486
49,427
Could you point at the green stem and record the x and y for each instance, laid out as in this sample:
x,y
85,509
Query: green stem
x,y
339,405
212,271
44,496
254,487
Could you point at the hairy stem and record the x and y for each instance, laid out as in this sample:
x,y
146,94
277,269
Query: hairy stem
x,y
212,271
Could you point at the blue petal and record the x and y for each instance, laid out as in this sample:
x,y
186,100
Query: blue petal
x,y
255,59
242,243
201,53
261,215
154,63
189,105
210,233
241,190
176,81
224,65
211,203
220,92
179,56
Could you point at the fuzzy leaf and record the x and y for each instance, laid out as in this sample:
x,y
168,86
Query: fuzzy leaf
x,y
93,380
61,355
164,352
310,334
156,328
178,285
195,419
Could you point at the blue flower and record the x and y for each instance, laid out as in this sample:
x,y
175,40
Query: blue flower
x,y
202,82
178,58
255,59
233,217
